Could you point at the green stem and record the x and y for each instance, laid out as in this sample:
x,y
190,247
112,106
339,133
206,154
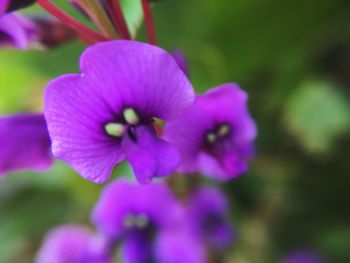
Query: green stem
x,y
98,15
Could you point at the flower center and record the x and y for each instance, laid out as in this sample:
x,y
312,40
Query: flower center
x,y
118,129
219,133
139,221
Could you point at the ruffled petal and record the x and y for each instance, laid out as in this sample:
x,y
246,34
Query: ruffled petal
x,y
115,75
76,112
226,104
150,156
24,143
145,77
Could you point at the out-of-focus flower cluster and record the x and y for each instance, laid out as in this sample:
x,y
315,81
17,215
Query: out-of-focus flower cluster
x,y
145,224
131,102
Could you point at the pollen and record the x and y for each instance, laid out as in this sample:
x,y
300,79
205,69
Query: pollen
x,y
136,221
223,130
131,116
115,129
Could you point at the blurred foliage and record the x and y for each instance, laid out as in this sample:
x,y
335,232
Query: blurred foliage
x,y
292,56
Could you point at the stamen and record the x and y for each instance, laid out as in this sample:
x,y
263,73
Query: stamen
x,y
131,116
138,221
211,137
115,129
224,130
141,221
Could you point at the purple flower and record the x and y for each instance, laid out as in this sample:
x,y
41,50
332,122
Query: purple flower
x,y
303,256
137,216
4,4
105,115
73,244
17,31
24,143
216,135
179,247
208,217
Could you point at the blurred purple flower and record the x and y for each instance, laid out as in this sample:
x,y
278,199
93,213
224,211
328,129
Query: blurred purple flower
x,y
17,31
3,6
24,143
179,247
208,217
303,256
73,244
137,216
216,135
105,115
181,60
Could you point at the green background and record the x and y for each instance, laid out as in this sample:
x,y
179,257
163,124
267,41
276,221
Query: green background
x,y
292,56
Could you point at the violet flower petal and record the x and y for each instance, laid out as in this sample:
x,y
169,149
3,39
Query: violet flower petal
x,y
3,6
208,217
181,60
115,75
76,117
226,104
17,31
66,244
122,198
179,247
150,156
24,143
145,77
136,249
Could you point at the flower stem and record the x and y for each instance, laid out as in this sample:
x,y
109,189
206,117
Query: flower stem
x,y
99,16
80,28
146,5
118,16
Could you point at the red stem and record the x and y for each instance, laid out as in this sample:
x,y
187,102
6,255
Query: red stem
x,y
119,19
149,21
81,29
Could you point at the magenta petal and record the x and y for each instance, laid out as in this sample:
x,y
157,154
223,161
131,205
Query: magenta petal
x,y
179,247
223,105
150,156
136,249
146,77
24,143
76,128
116,75
16,31
181,60
3,6
227,167
122,198
64,244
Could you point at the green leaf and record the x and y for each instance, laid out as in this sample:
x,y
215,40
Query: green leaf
x,y
316,114
133,14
